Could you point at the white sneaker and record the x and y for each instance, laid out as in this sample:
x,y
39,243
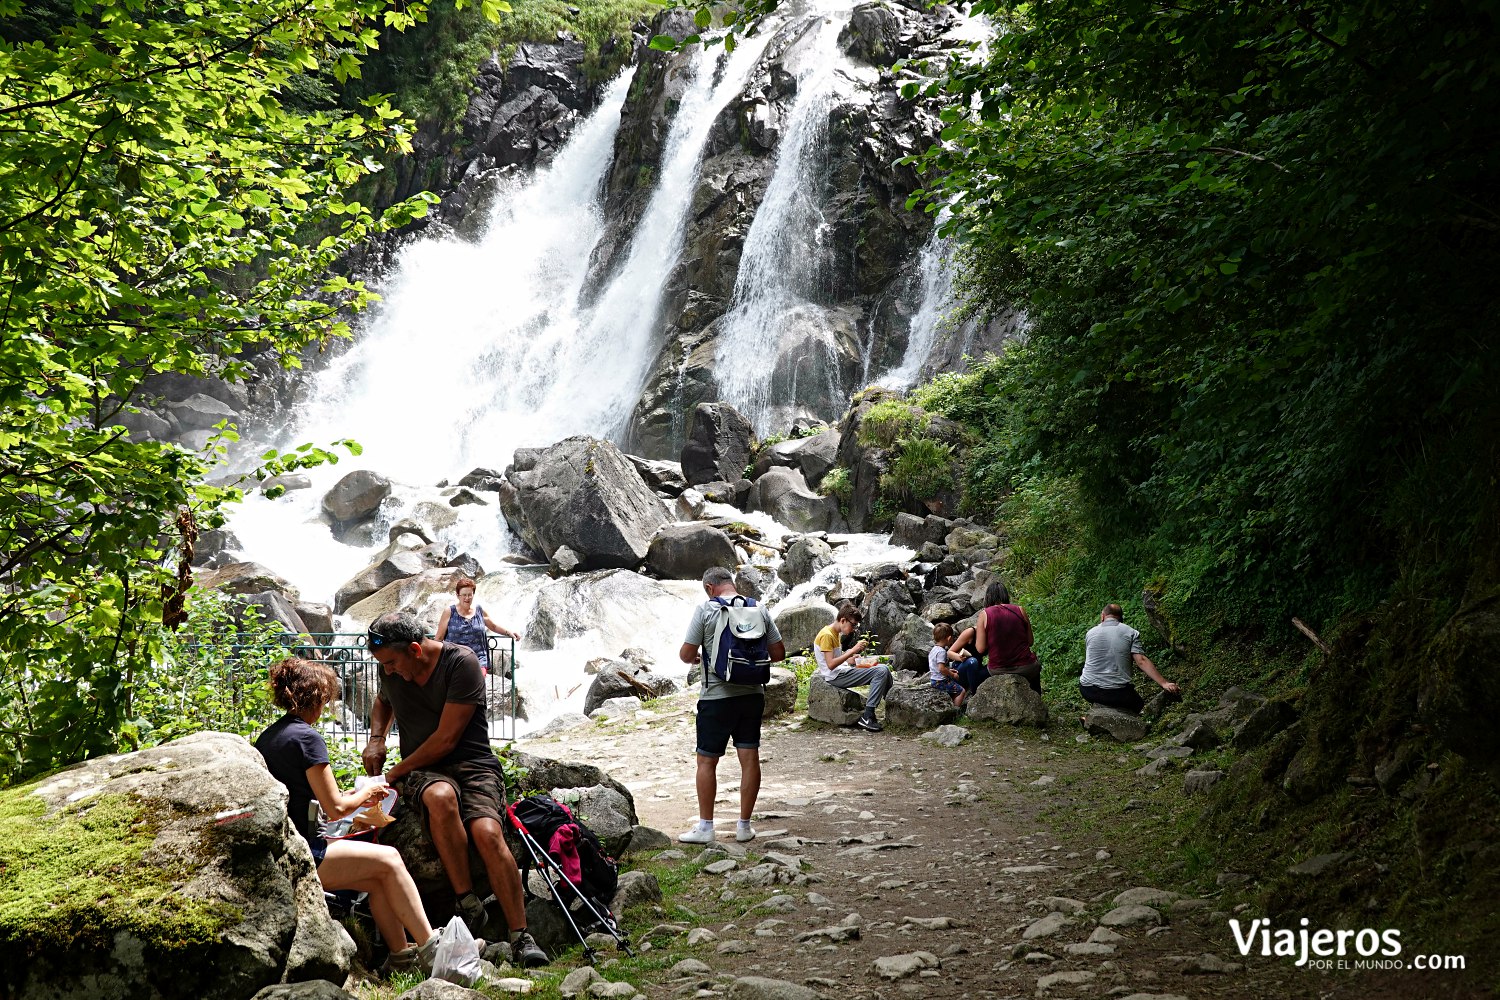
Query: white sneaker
x,y
697,836
744,833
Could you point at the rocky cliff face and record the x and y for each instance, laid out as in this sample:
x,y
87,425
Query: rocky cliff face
x,y
855,324
798,274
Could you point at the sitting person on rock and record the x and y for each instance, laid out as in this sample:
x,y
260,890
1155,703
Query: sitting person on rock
x,y
297,757
970,669
1109,649
940,670
435,693
834,668
1002,636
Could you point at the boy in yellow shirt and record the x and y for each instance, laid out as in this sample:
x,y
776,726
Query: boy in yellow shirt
x,y
833,668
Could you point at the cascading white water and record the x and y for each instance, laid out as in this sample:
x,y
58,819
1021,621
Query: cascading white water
x,y
482,347
936,270
777,287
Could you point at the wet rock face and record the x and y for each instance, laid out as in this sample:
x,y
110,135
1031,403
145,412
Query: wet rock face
x,y
718,447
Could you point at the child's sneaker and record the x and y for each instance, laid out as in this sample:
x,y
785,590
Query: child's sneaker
x,y
697,835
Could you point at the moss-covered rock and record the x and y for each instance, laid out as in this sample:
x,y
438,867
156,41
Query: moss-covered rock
x,y
124,877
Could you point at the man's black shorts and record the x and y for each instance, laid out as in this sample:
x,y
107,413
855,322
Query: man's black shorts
x,y
720,719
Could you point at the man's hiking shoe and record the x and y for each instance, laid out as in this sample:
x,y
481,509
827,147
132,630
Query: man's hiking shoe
x,y
696,836
524,950
744,834
869,723
471,908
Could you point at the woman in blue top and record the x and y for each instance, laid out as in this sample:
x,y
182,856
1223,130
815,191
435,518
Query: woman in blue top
x,y
464,623
297,757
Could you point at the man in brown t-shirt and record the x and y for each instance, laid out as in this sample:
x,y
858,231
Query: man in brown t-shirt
x,y
435,693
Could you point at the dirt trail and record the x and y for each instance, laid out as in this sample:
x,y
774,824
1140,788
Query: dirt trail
x,y
891,827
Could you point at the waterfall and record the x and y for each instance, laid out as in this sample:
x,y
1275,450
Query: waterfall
x,y
480,347
777,290
936,277
619,332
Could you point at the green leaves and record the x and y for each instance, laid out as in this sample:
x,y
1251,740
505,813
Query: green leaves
x,y
154,194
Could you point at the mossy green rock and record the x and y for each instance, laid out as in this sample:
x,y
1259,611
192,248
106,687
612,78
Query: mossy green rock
x,y
168,873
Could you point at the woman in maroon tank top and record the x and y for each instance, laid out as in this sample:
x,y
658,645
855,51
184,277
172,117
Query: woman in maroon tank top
x,y
1004,633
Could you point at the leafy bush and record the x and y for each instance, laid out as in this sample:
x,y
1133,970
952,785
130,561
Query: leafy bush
x,y
210,674
923,469
888,421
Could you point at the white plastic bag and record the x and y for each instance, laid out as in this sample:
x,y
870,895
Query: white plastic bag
x,y
457,957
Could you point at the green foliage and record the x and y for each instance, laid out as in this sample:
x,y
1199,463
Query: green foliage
x,y
210,674
888,421
149,167
922,469
836,484
429,69
82,874
1233,271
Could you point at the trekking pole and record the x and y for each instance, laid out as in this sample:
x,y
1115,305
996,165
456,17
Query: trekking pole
x,y
537,853
607,921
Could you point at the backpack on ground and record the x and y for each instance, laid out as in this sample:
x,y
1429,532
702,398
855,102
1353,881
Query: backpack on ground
x,y
742,643
591,873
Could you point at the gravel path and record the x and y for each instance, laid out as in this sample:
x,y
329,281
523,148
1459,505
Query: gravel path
x,y
889,866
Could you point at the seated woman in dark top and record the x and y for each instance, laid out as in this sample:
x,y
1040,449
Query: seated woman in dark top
x,y
1002,636
298,758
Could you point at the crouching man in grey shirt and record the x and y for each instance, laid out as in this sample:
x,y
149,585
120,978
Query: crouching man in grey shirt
x,y
1109,649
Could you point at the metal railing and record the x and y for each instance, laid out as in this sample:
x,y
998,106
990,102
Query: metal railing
x,y
359,679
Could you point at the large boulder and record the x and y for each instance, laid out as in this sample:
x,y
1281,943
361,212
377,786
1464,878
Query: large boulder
x,y
800,623
908,531
718,445
835,706
544,773
585,495
424,595
215,546
873,35
200,412
781,693
607,812
886,610
909,647
273,608
1115,723
784,495
812,456
623,679
171,873
920,707
804,558
686,551
1008,698
402,558
356,497
245,578
663,477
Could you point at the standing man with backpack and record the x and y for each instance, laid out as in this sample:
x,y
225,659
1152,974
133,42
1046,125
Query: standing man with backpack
x,y
735,642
